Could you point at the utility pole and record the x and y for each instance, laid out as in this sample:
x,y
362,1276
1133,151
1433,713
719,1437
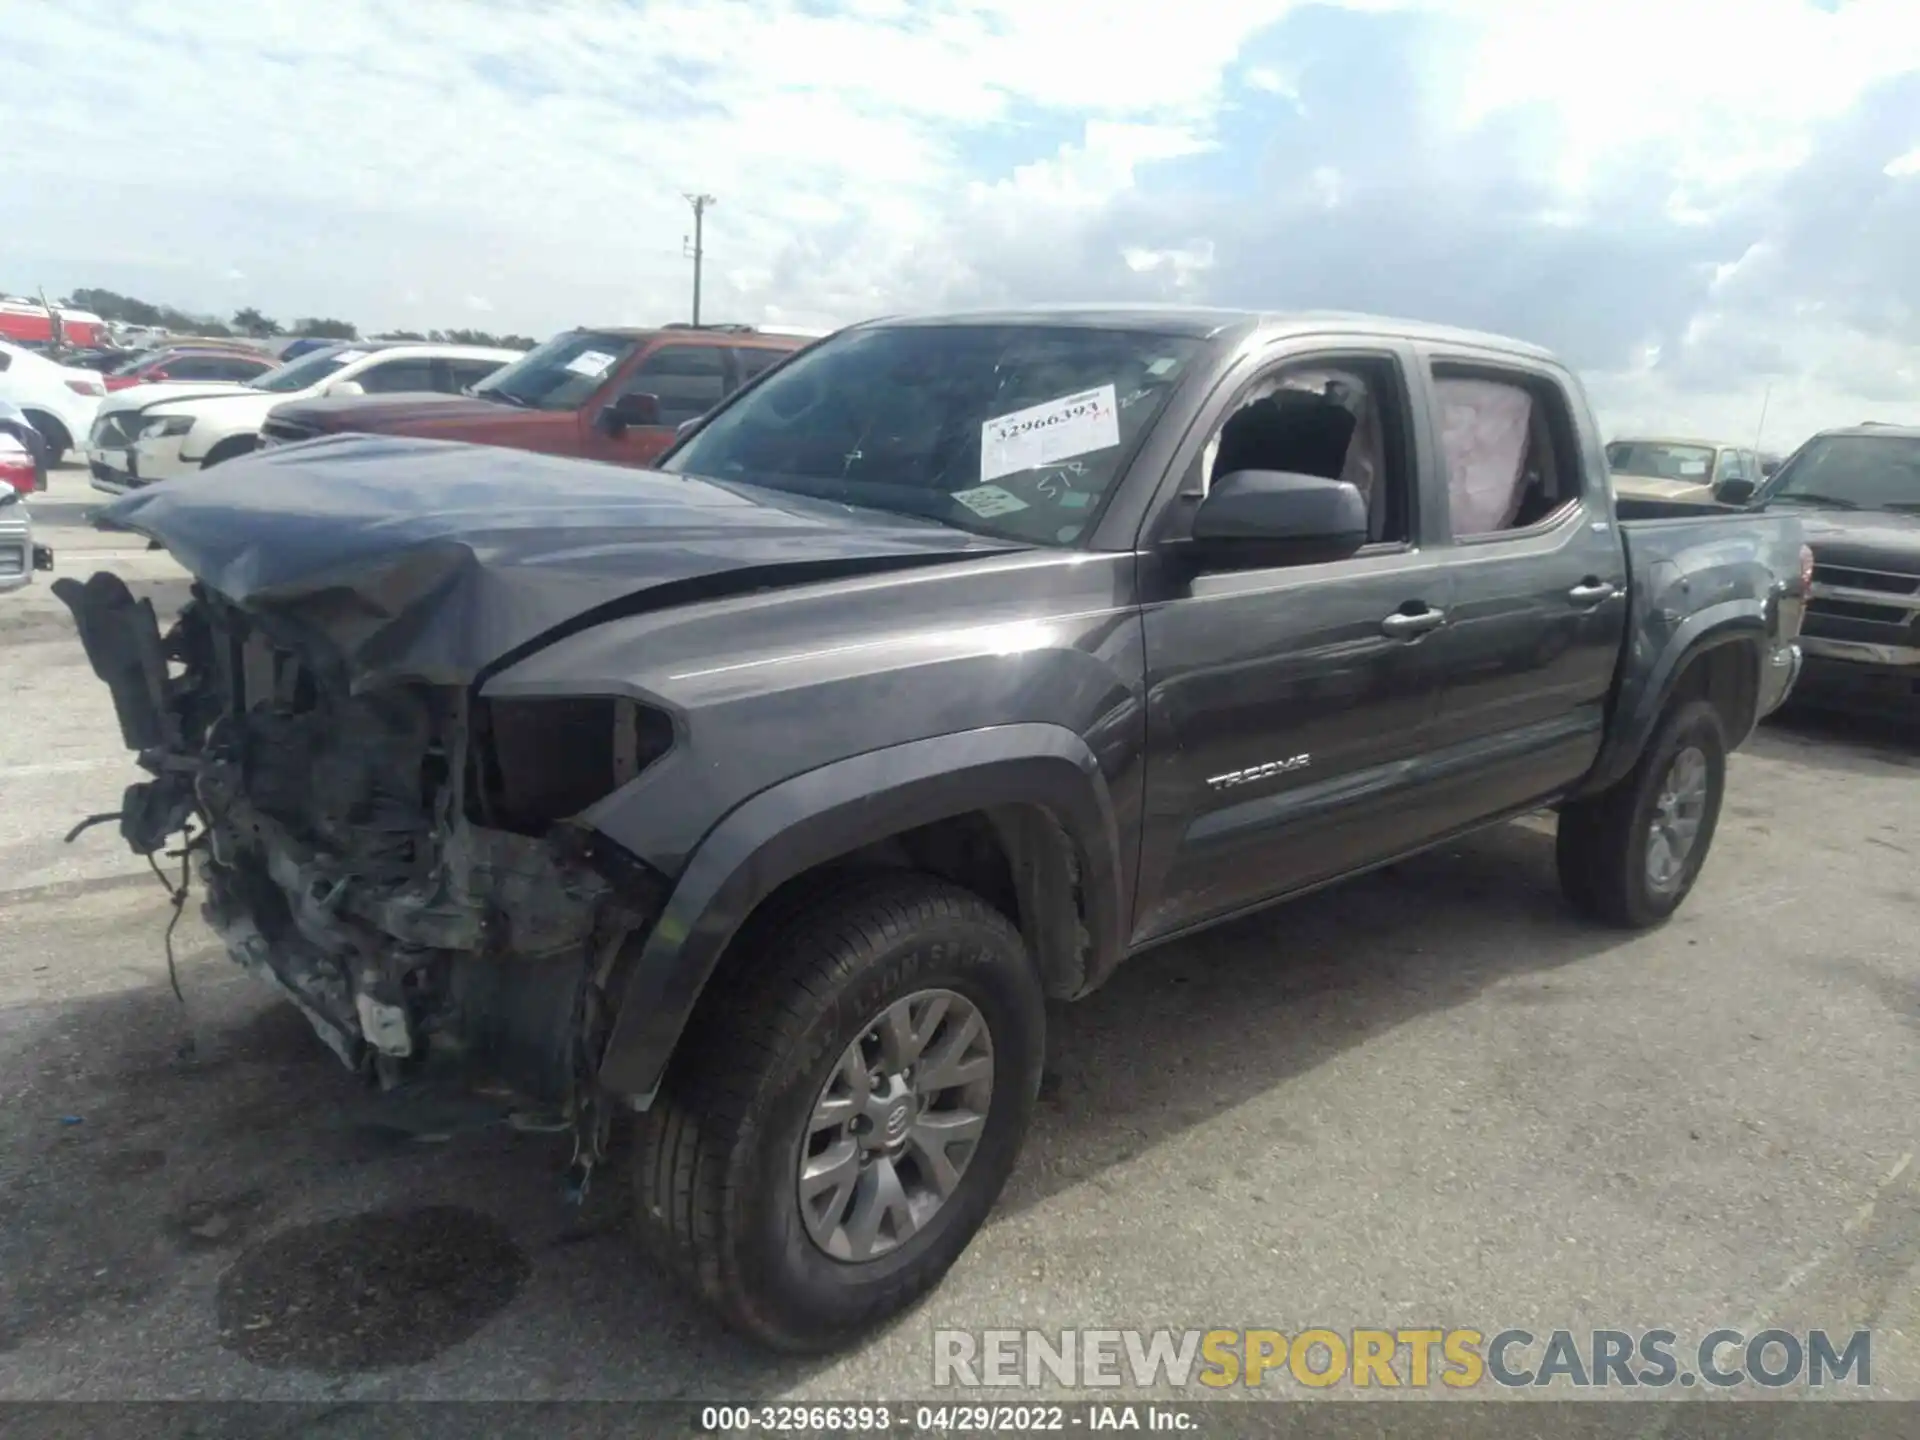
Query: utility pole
x,y
700,204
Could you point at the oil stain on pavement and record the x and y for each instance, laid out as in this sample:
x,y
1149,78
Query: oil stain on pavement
x,y
369,1292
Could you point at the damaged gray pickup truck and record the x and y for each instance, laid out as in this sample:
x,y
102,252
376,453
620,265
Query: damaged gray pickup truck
x,y
768,795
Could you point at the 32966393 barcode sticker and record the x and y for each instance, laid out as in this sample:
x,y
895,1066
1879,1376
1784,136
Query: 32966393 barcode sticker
x,y
1046,434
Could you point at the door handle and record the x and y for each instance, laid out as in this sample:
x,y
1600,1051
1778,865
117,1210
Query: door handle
x,y
1402,626
1590,592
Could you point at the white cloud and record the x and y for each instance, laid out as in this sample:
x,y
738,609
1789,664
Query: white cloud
x,y
403,164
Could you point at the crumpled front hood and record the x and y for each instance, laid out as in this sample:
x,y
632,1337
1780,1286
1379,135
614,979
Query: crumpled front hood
x,y
426,560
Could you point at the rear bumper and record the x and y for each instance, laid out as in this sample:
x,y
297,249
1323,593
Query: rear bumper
x,y
16,550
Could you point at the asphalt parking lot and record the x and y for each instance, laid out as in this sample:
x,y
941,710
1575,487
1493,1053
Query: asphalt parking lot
x,y
1428,1098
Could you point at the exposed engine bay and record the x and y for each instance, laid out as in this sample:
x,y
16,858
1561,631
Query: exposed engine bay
x,y
401,862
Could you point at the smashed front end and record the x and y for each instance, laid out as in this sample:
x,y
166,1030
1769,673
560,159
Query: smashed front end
x,y
400,861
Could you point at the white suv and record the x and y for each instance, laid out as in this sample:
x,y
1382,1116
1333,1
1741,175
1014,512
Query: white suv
x,y
155,432
59,400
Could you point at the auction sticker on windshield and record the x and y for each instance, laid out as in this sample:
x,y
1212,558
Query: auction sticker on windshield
x,y
989,500
590,363
1046,434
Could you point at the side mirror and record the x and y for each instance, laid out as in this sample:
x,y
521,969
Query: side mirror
x,y
624,411
346,387
1255,517
9,496
1737,490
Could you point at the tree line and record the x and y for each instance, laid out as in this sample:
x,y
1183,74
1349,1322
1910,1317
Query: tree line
x,y
250,322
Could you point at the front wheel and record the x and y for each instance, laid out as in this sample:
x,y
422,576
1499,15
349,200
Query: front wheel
x,y
54,439
1629,855
844,1111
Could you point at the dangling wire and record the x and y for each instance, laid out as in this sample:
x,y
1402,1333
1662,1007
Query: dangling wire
x,y
177,897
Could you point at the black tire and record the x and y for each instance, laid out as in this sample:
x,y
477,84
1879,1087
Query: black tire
x,y
53,435
717,1154
231,448
1602,845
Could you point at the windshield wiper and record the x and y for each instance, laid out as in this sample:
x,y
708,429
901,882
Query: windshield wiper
x,y
505,397
1831,502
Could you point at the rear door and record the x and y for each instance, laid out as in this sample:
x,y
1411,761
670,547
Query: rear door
x,y
456,376
402,375
1539,585
750,362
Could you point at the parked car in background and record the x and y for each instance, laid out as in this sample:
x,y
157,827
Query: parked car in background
x,y
292,347
100,359
60,401
18,437
602,394
1859,491
772,792
24,320
1683,470
23,465
154,432
191,363
19,556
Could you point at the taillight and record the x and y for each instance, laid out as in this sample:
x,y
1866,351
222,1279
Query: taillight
x,y
19,471
1806,570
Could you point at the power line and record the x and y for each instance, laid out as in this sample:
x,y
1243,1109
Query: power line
x,y
700,204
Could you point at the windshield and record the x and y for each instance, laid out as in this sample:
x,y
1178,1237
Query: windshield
x,y
1853,472
133,362
310,369
559,375
1655,460
1009,430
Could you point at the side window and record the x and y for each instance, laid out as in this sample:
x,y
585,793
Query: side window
x,y
1508,447
470,372
756,362
688,379
193,367
1343,419
393,377
238,367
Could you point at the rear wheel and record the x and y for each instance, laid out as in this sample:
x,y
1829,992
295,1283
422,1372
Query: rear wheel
x,y
838,1123
1631,854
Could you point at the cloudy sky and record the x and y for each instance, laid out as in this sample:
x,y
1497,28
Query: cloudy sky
x,y
1694,200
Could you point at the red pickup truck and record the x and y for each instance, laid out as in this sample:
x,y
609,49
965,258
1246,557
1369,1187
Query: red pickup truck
x,y
600,394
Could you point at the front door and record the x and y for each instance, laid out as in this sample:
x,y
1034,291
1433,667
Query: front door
x,y
687,380
1286,704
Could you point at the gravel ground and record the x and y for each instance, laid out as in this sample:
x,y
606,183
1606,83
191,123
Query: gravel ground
x,y
1427,1098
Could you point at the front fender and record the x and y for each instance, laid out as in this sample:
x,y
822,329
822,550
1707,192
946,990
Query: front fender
x,y
830,812
1651,666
